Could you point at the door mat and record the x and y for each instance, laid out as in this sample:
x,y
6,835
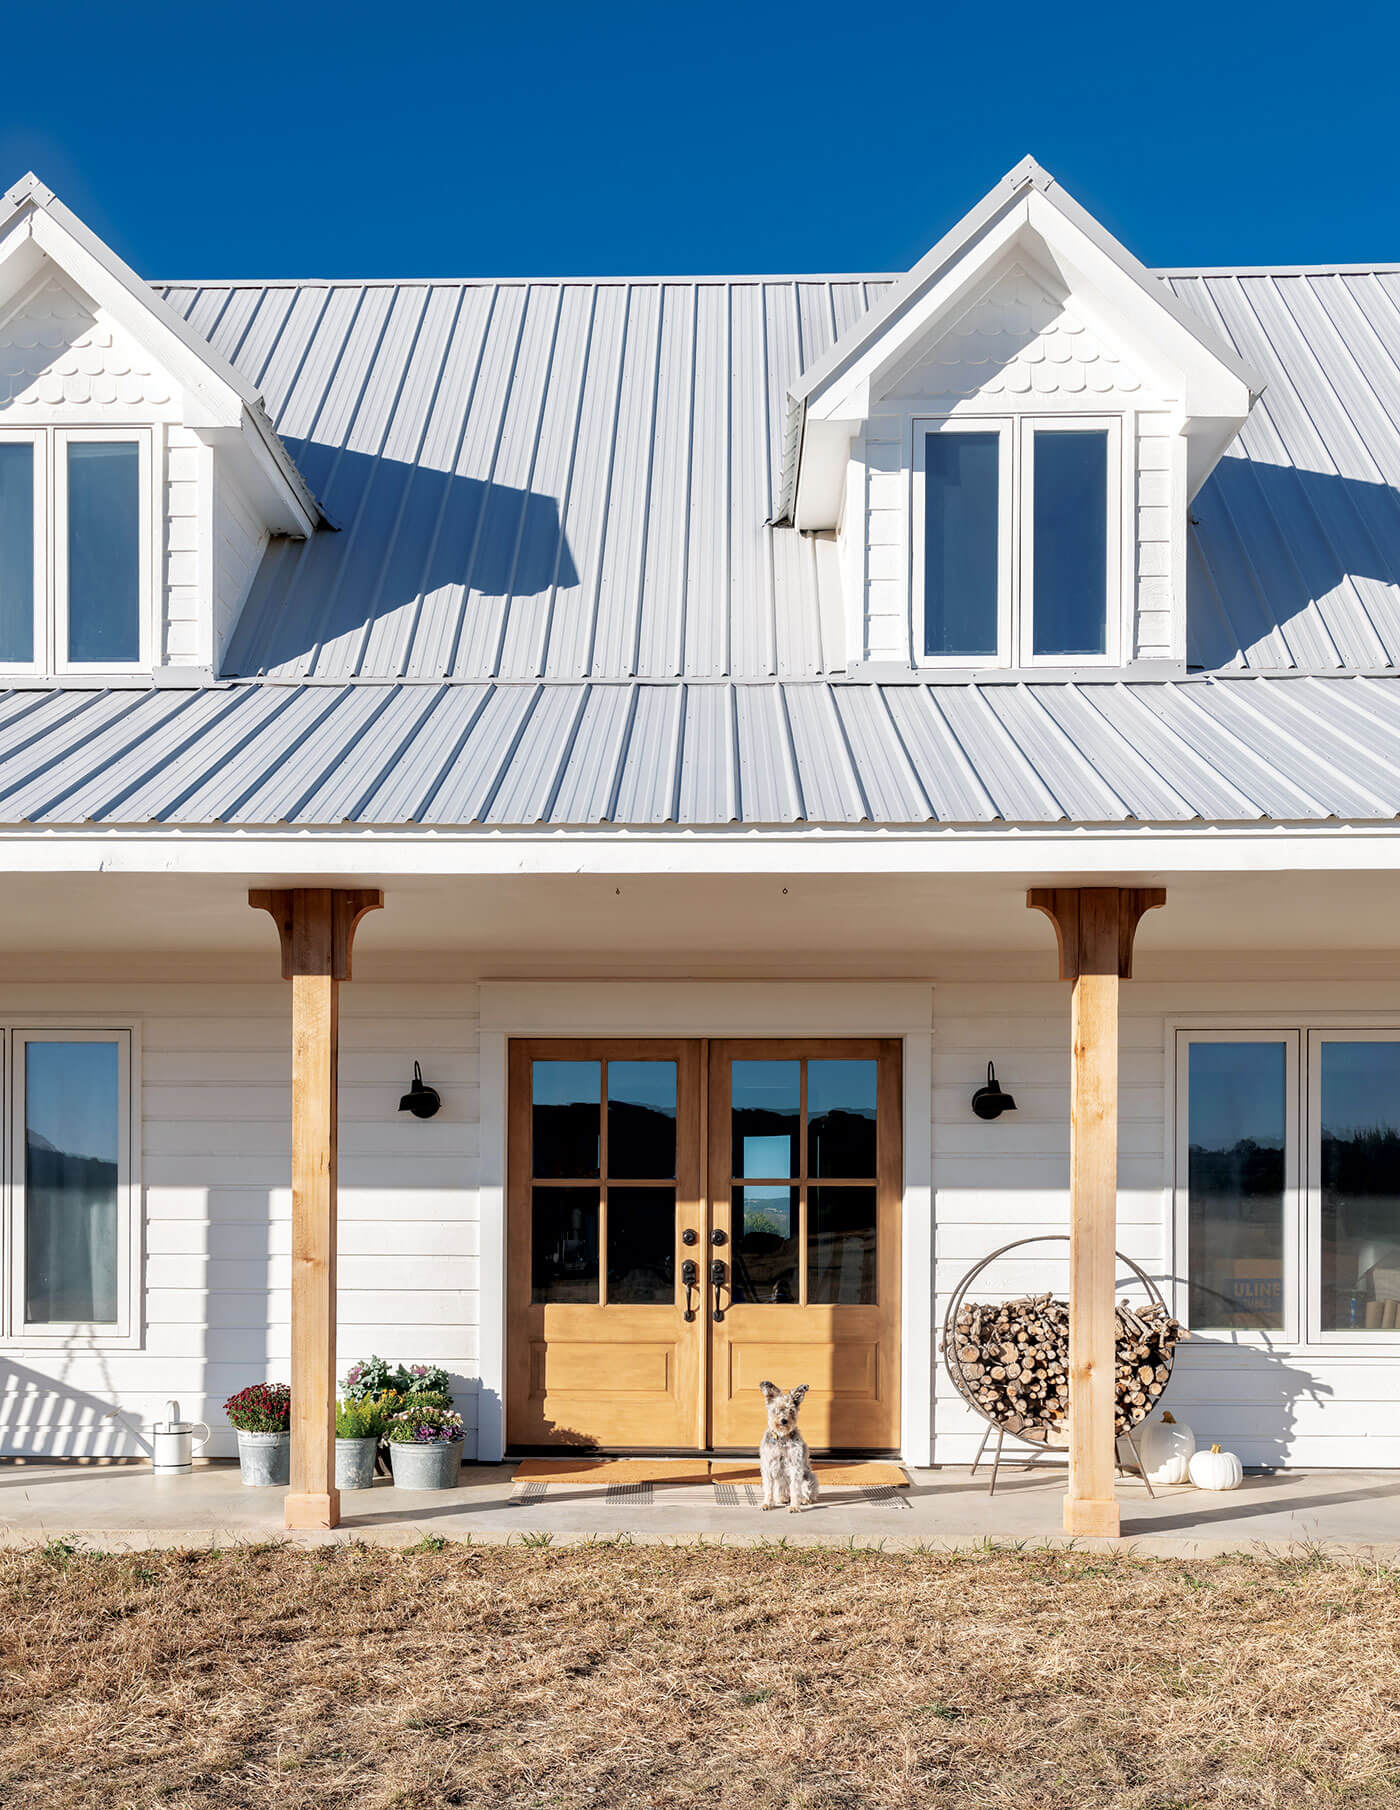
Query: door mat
x,y
604,1473
832,1473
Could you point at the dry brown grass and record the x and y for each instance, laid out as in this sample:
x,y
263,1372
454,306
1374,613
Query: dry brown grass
x,y
644,1676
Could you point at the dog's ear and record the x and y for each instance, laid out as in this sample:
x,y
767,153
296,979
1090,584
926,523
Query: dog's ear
x,y
770,1390
798,1393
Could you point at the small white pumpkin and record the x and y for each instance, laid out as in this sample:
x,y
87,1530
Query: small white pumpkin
x,y
1165,1445
1216,1470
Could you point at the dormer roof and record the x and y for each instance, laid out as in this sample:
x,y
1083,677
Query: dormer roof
x,y
36,228
1029,213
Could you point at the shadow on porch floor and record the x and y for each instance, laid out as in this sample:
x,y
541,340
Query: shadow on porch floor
x,y
125,1506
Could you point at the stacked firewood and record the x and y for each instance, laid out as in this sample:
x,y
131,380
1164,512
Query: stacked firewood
x,y
1011,1359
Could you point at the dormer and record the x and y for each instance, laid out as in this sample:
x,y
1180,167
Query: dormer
x,y
1006,449
140,477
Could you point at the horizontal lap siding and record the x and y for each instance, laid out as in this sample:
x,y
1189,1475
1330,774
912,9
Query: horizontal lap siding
x,y
216,1075
994,1182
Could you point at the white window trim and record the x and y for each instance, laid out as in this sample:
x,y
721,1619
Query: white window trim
x,y
1015,550
1008,527
38,439
1301,1332
63,438
51,548
1376,1337
125,1333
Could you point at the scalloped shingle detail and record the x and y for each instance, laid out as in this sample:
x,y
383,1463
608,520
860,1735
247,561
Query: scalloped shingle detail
x,y
1020,340
55,351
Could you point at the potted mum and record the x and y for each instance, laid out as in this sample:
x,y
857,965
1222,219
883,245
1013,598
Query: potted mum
x,y
262,1417
425,1446
359,1427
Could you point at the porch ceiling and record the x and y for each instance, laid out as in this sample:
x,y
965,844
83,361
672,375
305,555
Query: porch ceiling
x,y
116,926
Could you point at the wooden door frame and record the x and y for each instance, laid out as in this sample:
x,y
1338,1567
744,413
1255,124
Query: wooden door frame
x,y
699,1154
613,1007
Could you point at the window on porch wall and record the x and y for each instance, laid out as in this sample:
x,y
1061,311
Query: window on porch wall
x,y
68,1185
1289,1169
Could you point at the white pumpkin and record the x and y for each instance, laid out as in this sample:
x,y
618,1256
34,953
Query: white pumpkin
x,y
1216,1470
1165,1446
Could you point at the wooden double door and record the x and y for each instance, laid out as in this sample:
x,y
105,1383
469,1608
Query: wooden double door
x,y
688,1218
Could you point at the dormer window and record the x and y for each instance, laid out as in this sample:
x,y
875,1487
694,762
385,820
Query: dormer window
x,y
1016,539
75,560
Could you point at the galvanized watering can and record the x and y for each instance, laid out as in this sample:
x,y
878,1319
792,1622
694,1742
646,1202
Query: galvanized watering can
x,y
173,1443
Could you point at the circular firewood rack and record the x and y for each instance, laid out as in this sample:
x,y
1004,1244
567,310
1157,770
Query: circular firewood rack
x,y
1035,1433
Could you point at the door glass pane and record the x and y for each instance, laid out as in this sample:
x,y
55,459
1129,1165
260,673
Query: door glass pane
x,y
841,1118
564,1244
841,1246
767,1107
763,1251
16,550
566,1118
641,1246
1360,1186
642,1119
104,563
1236,1132
960,543
1070,582
71,1149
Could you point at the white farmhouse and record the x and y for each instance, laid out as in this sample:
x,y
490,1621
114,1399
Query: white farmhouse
x,y
686,686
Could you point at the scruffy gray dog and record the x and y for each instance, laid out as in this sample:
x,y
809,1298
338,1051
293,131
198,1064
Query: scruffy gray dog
x,y
783,1460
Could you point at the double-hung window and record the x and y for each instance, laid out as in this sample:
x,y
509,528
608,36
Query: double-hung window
x,y
1017,540
75,549
71,1241
1288,1183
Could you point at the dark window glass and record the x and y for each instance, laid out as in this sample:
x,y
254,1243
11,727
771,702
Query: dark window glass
x,y
567,1114
16,551
960,543
764,1247
1360,1186
1070,555
1236,1130
104,563
564,1244
641,1245
767,1118
841,1118
841,1246
642,1119
71,1149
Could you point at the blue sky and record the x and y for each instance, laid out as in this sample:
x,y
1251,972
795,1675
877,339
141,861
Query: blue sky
x,y
269,140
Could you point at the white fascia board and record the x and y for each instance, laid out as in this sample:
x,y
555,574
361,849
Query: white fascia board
x,y
1067,857
263,472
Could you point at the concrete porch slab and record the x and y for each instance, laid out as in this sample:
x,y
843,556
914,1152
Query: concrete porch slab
x,y
1352,1513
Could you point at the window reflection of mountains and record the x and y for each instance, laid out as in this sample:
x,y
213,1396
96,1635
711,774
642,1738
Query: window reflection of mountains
x,y
65,1171
841,1140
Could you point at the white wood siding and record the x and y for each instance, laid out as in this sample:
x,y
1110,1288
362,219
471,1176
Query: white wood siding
x,y
1283,1404
216,1140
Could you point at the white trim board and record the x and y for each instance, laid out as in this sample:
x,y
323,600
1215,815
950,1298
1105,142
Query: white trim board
x,y
715,1009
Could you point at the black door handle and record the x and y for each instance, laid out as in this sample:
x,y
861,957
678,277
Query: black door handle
x,y
717,1278
690,1278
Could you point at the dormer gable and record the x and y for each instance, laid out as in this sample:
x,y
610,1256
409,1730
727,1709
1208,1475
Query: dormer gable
x,y
1029,407
140,475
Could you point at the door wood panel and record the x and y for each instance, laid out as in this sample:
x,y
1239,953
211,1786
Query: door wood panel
x,y
595,1371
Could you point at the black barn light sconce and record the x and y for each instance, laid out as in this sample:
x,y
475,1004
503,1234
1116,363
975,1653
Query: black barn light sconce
x,y
421,1100
992,1100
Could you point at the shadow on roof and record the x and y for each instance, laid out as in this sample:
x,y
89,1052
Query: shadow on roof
x,y
1293,568
426,557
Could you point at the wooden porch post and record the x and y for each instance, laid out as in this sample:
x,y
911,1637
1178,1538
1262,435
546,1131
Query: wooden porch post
x,y
317,927
1095,926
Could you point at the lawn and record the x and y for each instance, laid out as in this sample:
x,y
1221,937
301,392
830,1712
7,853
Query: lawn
x,y
626,1676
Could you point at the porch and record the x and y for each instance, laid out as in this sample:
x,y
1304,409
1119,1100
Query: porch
x,y
1351,1514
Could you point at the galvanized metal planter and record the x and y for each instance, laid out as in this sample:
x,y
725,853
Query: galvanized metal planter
x,y
354,1462
265,1459
426,1466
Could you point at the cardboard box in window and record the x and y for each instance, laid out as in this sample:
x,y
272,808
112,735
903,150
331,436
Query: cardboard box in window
x,y
1256,1287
